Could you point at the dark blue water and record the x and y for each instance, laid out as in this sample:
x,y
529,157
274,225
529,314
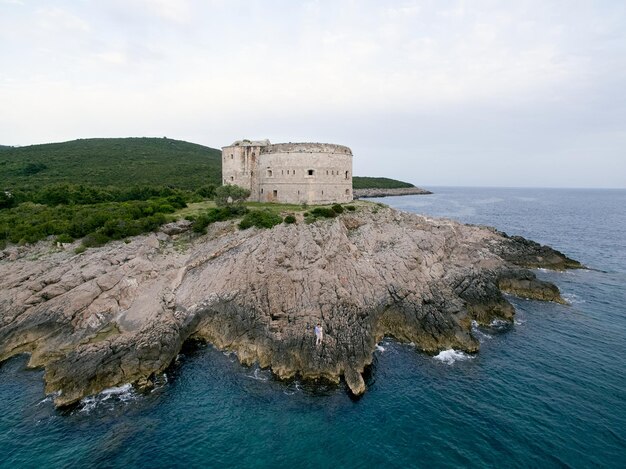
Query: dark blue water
x,y
549,391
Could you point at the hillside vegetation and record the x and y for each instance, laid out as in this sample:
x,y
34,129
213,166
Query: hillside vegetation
x,y
111,162
360,182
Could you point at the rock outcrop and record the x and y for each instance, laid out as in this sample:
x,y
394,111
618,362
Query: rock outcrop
x,y
121,313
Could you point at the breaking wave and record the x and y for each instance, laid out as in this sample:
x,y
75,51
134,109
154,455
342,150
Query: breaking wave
x,y
450,356
124,393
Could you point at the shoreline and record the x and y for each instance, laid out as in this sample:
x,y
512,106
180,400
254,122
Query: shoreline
x,y
366,193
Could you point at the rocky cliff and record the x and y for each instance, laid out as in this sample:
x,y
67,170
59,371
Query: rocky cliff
x,y
121,313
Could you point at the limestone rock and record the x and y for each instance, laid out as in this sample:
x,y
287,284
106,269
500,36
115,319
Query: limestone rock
x,y
121,313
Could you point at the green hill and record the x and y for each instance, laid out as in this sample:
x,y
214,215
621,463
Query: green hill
x,y
111,162
360,182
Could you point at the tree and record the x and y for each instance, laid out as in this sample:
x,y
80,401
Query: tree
x,y
229,195
6,199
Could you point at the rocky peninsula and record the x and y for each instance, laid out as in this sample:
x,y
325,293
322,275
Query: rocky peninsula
x,y
380,192
121,313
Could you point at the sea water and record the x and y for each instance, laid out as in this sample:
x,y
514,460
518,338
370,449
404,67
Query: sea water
x,y
546,391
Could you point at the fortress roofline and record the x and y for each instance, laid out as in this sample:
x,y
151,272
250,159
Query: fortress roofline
x,y
250,143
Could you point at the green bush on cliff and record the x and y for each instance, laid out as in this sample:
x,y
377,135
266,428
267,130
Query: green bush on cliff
x,y
323,212
337,208
260,219
290,219
216,214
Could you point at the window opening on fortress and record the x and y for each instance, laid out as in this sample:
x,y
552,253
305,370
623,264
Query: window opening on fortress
x,y
347,191
275,193
287,171
311,172
346,176
326,172
269,173
232,178
261,191
231,156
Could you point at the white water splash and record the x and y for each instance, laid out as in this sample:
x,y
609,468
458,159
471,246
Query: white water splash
x,y
49,398
572,298
293,388
499,324
260,375
380,348
480,335
124,393
450,356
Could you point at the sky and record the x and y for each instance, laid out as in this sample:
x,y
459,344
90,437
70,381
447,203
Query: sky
x,y
463,93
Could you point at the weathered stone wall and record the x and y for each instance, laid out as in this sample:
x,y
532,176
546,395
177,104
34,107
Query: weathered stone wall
x,y
240,165
312,173
305,173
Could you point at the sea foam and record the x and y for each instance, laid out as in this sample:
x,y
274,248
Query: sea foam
x,y
124,393
450,356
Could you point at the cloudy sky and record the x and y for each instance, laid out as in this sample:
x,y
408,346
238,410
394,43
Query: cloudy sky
x,y
523,93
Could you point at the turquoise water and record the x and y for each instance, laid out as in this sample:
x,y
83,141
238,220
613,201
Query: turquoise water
x,y
548,391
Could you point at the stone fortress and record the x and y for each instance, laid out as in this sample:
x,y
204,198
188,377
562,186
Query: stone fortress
x,y
295,173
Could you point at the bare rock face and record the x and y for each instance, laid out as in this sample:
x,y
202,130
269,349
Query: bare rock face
x,y
121,313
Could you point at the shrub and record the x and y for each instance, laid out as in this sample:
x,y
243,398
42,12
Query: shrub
x,y
64,238
6,199
207,192
337,208
323,212
216,214
96,239
80,249
260,219
230,194
350,208
290,219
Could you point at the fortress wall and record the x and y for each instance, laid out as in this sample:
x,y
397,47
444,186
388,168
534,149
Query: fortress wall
x,y
239,166
284,173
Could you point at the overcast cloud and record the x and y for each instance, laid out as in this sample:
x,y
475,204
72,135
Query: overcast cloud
x,y
524,93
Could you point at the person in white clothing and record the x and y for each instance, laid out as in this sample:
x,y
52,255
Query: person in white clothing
x,y
319,334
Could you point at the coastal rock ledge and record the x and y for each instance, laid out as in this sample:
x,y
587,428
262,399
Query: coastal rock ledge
x,y
121,313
